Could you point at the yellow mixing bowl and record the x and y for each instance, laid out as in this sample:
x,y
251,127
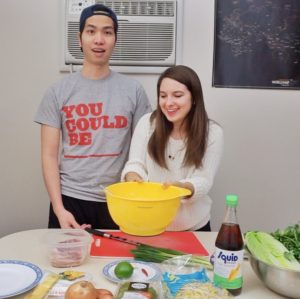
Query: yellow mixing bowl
x,y
143,209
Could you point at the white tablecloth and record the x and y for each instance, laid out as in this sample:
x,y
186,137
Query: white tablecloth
x,y
30,246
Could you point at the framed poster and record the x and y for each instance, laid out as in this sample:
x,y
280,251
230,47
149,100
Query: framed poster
x,y
257,44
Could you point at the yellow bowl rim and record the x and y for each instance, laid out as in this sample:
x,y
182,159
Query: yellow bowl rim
x,y
183,191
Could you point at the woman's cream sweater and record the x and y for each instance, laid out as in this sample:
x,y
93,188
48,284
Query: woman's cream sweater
x,y
194,212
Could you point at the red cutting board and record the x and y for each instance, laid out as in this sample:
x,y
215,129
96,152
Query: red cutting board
x,y
182,241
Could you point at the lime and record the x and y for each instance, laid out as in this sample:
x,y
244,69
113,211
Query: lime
x,y
123,270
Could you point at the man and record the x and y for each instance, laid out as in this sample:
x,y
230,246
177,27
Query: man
x,y
93,113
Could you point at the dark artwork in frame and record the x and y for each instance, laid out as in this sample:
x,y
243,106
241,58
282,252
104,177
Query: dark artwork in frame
x,y
257,44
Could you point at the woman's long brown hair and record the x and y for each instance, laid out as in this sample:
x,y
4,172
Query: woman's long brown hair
x,y
196,121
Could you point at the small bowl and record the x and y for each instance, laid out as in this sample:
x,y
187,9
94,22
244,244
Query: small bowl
x,y
282,281
143,209
67,247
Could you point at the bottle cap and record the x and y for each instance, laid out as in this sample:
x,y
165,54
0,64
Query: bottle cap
x,y
231,200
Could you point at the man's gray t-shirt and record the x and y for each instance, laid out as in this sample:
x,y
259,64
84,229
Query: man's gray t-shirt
x,y
96,118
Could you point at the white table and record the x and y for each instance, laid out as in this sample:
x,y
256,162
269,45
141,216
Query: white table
x,y
30,246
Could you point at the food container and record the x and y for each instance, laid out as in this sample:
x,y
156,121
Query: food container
x,y
282,281
67,247
143,209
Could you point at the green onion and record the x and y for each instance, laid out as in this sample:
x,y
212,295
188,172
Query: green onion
x,y
153,254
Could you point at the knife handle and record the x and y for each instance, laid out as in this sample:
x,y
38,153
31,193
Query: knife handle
x,y
107,235
97,232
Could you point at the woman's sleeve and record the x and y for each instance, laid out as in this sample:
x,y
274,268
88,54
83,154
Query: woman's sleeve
x,y
202,178
138,149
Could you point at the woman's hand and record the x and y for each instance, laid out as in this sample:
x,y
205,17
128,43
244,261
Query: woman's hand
x,y
133,177
186,185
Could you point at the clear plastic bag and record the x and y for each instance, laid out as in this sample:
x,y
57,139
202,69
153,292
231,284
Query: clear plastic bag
x,y
181,281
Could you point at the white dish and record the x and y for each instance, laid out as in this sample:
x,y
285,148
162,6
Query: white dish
x,y
17,277
143,271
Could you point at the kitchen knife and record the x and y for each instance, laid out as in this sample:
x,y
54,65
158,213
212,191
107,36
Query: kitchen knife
x,y
100,233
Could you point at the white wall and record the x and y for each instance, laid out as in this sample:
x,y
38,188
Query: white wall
x,y
262,144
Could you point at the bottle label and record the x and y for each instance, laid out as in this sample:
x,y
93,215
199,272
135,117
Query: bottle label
x,y
227,268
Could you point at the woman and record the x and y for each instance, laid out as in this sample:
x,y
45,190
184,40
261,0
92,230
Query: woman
x,y
178,145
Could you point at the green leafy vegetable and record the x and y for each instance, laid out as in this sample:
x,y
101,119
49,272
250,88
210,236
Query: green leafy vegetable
x,y
290,238
158,254
266,248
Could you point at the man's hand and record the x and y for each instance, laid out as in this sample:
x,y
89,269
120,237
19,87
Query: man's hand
x,y
67,220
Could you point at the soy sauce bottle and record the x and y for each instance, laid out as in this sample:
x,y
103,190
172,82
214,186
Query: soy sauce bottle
x,y
229,252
